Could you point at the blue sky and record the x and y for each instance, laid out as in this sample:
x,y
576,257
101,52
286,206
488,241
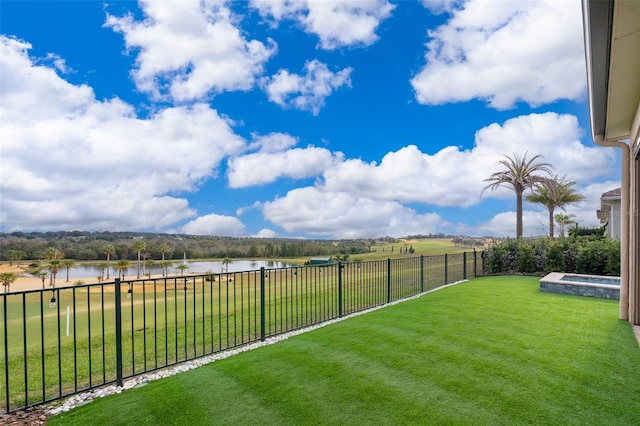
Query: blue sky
x,y
312,119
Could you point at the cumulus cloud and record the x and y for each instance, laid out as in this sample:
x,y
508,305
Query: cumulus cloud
x,y
451,177
265,167
454,177
337,23
276,158
215,224
69,160
189,49
305,92
345,215
504,53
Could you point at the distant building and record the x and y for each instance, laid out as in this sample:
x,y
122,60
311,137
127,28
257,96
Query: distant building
x,y
610,213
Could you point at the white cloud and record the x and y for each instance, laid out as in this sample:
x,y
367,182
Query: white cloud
x,y
265,167
345,215
337,23
215,224
266,233
71,161
354,196
452,177
505,52
534,223
440,6
305,92
273,142
189,49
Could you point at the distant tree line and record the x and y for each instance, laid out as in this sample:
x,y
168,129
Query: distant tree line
x,y
82,245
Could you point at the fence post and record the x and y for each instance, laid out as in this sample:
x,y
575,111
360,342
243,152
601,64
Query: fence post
x,y
262,325
446,268
388,280
475,263
464,265
118,301
340,267
421,273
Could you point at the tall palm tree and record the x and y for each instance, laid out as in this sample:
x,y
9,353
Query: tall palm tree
x,y
552,193
68,264
109,249
520,173
164,248
139,246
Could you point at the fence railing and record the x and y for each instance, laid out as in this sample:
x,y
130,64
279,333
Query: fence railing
x,y
66,340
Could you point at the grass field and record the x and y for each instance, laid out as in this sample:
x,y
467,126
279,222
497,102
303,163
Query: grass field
x,y
175,319
490,351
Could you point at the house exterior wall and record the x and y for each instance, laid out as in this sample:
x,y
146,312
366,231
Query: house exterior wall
x,y
634,222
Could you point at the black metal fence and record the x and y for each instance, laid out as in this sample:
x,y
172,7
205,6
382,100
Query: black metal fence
x,y
62,341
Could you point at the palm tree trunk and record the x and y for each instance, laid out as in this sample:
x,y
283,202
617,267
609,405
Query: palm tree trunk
x,y
551,222
519,214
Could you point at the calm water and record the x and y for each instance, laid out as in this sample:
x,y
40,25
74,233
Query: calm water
x,y
84,271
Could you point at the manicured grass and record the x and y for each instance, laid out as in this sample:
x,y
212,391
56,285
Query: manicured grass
x,y
490,351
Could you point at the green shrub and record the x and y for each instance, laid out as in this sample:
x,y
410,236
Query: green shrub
x,y
555,259
584,255
526,258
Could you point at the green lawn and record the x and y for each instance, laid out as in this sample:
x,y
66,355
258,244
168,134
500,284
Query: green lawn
x,y
491,351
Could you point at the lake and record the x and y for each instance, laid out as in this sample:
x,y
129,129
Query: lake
x,y
84,271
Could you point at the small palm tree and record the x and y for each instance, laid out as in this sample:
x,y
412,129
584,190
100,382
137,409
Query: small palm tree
x,y
139,246
103,266
225,263
7,278
43,276
109,249
53,266
122,265
554,193
563,221
68,264
520,173
182,267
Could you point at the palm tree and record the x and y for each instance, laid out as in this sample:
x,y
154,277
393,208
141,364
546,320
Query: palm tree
x,y
7,278
164,248
225,263
139,246
552,193
520,173
122,266
103,266
54,267
68,264
43,276
164,264
182,267
109,249
563,221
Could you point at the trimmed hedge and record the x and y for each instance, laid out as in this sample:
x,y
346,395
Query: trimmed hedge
x,y
594,255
